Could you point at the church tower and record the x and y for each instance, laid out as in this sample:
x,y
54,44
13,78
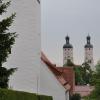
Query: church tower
x,y
89,52
67,51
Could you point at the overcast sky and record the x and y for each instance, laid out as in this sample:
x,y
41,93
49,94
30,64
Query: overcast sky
x,y
76,18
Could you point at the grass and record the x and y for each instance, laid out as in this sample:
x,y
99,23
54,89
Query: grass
x,y
16,95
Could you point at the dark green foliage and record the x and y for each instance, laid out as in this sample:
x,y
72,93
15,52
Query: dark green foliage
x,y
7,39
83,74
4,6
76,97
42,97
87,73
78,76
15,95
6,42
4,73
6,23
95,95
68,63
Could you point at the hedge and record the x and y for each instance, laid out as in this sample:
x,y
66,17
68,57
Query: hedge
x,y
16,95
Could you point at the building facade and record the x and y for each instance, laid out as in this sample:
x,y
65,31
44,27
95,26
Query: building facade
x,y
67,51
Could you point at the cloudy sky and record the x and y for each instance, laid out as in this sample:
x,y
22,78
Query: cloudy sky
x,y
76,18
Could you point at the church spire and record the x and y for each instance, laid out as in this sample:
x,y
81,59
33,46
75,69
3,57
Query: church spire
x,y
67,39
89,52
67,45
67,51
88,45
88,39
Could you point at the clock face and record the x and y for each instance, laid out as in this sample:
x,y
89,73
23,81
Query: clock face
x,y
38,1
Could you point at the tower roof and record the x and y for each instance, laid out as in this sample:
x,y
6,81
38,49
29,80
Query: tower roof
x,y
67,45
88,45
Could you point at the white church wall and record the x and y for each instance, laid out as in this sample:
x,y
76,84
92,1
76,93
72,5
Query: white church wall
x,y
89,57
26,51
49,85
67,54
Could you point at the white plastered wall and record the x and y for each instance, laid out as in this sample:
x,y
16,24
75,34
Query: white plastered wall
x,y
89,57
67,54
49,85
26,51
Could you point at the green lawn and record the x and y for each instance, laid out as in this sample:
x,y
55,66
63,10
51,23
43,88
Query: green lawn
x,y
16,95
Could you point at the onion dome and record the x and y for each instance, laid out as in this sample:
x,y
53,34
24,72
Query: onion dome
x,y
88,45
67,45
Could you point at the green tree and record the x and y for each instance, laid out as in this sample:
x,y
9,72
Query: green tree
x,y
95,95
83,74
7,39
87,73
78,75
76,97
68,63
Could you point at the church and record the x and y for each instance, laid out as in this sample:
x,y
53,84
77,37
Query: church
x,y
88,49
36,74
64,74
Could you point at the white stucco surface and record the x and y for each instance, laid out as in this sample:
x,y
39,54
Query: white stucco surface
x,y
26,51
49,85
89,57
67,54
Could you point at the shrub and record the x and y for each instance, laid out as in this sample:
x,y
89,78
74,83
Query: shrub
x,y
16,95
76,97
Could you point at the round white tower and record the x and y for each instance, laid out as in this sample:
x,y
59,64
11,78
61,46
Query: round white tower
x,y
67,51
26,52
89,52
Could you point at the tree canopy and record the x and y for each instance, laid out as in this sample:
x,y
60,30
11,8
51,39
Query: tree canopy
x,y
68,63
83,74
7,39
95,95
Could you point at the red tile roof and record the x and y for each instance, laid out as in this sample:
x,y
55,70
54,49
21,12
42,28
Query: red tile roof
x,y
69,76
56,72
83,90
66,76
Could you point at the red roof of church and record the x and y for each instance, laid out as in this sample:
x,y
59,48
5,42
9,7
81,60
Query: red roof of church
x,y
66,76
84,90
63,75
69,76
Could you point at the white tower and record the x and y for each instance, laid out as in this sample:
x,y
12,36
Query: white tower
x,y
27,49
89,53
67,51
